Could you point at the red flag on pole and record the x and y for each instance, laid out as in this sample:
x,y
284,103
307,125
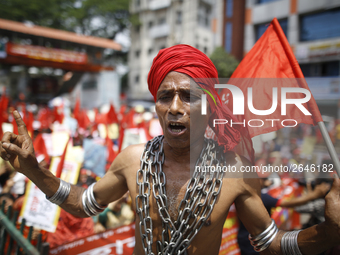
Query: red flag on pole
x,y
111,116
271,57
111,154
76,110
40,147
62,160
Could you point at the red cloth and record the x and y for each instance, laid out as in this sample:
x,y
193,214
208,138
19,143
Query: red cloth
x,y
70,228
111,116
194,63
271,57
40,147
76,109
111,154
61,163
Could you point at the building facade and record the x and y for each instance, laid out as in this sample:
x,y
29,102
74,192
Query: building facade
x,y
164,23
312,28
233,27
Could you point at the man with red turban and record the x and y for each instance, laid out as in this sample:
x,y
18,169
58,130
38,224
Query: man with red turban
x,y
182,197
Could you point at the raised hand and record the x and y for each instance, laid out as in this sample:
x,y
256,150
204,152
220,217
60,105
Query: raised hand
x,y
332,210
18,149
321,189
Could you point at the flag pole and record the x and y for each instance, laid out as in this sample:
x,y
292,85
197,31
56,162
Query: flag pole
x,y
330,146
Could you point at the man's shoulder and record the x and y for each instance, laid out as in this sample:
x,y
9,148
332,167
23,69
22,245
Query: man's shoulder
x,y
128,158
239,169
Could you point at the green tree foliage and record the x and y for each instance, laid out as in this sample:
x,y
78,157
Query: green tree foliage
x,y
224,62
103,18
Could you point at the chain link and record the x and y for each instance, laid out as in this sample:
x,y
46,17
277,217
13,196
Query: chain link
x,y
195,208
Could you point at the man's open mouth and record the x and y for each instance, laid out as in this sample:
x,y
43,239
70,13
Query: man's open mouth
x,y
176,128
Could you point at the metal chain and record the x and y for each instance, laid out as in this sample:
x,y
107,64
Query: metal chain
x,y
195,208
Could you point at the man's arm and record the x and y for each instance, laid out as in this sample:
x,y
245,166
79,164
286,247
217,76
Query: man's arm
x,y
319,191
313,240
19,151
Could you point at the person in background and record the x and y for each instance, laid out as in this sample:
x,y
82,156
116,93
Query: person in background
x,y
117,213
270,202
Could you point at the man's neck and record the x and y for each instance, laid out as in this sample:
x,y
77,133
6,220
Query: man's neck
x,y
184,155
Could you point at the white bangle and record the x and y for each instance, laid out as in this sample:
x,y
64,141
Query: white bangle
x,y
289,244
62,193
264,239
90,205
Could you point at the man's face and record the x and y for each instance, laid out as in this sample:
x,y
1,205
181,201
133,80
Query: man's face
x,y
179,104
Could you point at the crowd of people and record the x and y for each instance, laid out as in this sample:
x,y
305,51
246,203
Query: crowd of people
x,y
301,145
43,120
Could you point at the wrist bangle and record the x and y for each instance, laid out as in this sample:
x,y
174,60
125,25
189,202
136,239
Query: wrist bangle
x,y
264,239
90,205
289,244
62,193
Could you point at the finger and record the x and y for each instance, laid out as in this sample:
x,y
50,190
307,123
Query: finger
x,y
336,185
3,153
13,149
22,130
8,137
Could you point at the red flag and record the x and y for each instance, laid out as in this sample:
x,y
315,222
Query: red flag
x,y
121,137
29,124
111,154
40,147
44,118
76,110
58,116
111,116
83,120
62,160
271,57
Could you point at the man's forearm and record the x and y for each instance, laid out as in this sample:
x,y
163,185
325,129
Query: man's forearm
x,y
48,183
313,240
298,200
316,239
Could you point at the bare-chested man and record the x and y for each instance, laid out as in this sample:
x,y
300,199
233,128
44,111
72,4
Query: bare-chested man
x,y
178,104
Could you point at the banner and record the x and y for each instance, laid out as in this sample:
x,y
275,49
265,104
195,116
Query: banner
x,y
36,209
119,241
43,53
95,156
229,245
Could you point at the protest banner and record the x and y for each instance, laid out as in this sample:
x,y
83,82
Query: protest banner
x,y
229,245
119,241
36,209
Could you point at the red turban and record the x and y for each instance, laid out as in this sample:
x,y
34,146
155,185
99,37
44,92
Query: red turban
x,y
192,62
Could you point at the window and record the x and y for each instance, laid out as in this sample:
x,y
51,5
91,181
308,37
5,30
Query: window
x,y
205,50
228,36
150,51
137,53
320,25
150,24
137,78
325,69
229,8
137,28
260,29
91,84
204,14
178,17
265,1
161,21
